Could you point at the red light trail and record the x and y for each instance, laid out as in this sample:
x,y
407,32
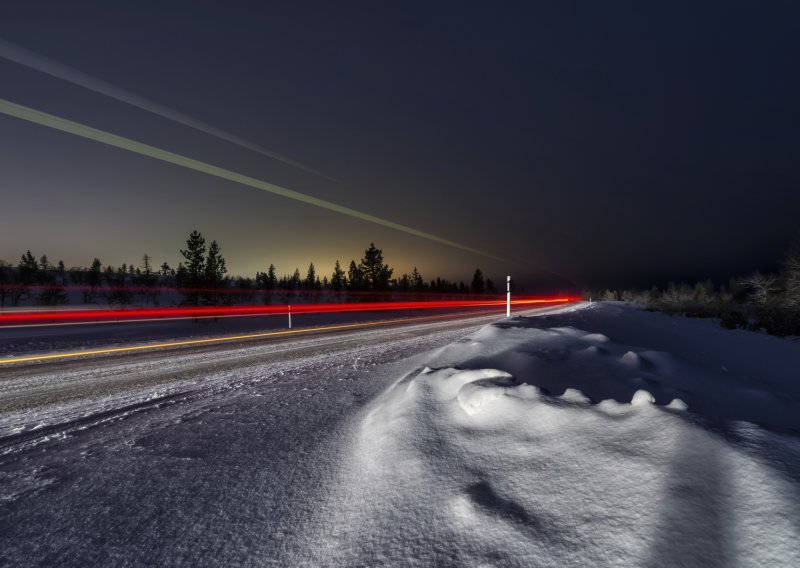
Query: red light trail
x,y
299,292
75,316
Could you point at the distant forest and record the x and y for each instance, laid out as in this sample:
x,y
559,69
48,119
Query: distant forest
x,y
202,278
762,302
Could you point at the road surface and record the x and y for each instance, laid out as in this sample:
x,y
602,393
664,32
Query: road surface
x,y
209,455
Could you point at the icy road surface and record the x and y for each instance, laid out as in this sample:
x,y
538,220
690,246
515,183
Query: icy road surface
x,y
200,456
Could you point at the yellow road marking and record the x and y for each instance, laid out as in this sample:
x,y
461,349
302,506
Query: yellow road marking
x,y
184,343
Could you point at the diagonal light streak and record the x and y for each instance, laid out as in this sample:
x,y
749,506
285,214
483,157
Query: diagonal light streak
x,y
51,121
43,64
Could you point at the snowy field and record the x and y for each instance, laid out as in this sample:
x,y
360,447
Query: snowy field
x,y
600,436
586,435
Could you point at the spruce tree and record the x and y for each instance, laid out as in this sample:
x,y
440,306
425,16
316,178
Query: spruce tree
x,y
28,269
311,277
28,274
295,281
338,277
417,283
181,276
355,279
147,279
214,273
194,270
94,278
5,280
375,273
477,282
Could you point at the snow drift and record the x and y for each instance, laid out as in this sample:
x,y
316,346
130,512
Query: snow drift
x,y
597,436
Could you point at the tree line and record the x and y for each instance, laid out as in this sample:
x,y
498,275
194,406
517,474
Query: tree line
x,y
767,302
202,278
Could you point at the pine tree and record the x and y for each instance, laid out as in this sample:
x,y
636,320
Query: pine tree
x,y
272,280
338,278
93,279
28,273
147,279
375,273
53,295
355,279
417,283
5,280
311,277
477,282
294,281
28,269
181,275
214,273
193,273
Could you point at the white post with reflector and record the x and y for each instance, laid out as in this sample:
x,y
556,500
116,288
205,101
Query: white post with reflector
x,y
290,316
508,296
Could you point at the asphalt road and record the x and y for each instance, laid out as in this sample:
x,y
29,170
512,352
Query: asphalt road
x,y
16,341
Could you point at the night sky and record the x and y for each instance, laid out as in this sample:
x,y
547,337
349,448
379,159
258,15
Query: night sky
x,y
614,143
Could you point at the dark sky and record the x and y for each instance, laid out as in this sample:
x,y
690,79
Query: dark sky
x,y
615,143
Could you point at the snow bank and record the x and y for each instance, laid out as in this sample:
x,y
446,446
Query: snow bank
x,y
551,442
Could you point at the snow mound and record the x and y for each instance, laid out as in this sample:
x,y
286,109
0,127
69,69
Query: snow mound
x,y
631,358
574,395
596,337
641,397
678,404
496,456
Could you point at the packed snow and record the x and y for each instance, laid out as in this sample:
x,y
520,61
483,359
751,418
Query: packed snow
x,y
599,436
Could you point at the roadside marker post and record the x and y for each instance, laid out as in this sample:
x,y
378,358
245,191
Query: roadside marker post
x,y
290,316
508,296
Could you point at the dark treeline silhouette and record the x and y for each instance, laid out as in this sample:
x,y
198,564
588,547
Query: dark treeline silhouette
x,y
763,302
201,278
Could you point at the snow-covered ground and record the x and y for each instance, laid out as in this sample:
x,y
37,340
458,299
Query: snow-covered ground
x,y
599,436
189,457
586,435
